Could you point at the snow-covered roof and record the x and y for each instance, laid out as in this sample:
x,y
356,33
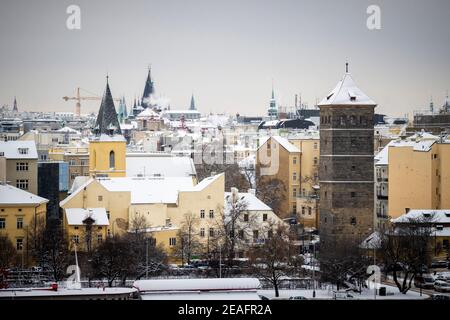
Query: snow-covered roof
x,y
347,93
19,149
148,113
286,144
10,195
435,216
76,216
149,190
145,164
204,183
69,130
252,203
372,242
173,285
419,142
181,111
77,183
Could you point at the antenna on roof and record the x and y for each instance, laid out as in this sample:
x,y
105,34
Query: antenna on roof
x,y
346,67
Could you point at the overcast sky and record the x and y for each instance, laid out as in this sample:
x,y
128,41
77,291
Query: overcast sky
x,y
225,52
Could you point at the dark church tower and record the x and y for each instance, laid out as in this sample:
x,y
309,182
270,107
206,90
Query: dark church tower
x,y
346,166
149,90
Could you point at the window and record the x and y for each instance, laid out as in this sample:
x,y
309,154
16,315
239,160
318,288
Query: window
x,y
246,217
112,160
172,241
19,244
342,120
2,223
72,162
21,166
241,234
353,168
294,192
99,238
353,221
107,214
99,228
352,120
83,162
23,150
211,214
294,176
22,184
352,194
294,160
264,216
309,211
315,145
76,239
303,210
316,160
255,235
100,198
19,223
202,214
211,232
202,232
76,227
294,208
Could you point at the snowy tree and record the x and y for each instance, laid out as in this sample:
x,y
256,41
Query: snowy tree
x,y
188,243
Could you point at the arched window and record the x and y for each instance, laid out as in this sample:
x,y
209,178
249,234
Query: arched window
x,y
112,160
342,118
352,120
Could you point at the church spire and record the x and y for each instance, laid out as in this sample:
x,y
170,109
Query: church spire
x,y
15,105
148,89
192,107
107,122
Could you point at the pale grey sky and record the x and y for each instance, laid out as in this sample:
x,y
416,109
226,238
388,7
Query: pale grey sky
x,y
226,52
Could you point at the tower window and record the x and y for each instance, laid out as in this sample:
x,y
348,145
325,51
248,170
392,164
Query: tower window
x,y
352,194
112,160
353,221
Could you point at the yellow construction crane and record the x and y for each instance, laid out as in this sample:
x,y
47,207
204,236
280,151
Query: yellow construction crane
x,y
78,98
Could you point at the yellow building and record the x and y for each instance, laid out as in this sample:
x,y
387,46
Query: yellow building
x,y
20,213
418,174
162,201
86,227
296,163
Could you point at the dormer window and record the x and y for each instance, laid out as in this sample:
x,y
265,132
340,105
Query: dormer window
x,y
23,150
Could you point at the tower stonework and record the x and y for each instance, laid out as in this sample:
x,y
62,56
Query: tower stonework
x,y
346,169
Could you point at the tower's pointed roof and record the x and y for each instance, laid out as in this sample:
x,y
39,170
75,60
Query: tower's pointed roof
x,y
107,122
347,93
15,105
192,106
148,89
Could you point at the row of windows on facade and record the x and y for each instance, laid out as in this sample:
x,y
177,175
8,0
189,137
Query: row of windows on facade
x,y
21,166
22,184
316,160
76,238
19,223
352,194
315,146
73,162
352,220
345,120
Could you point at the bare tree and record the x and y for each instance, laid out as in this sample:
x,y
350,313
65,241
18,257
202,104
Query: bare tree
x,y
233,174
271,191
275,258
344,265
189,243
7,252
406,249
49,247
234,227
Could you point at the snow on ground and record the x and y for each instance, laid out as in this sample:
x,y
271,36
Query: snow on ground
x,y
328,294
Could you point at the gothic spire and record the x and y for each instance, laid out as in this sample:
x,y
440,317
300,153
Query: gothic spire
x,y
148,89
15,105
192,107
107,122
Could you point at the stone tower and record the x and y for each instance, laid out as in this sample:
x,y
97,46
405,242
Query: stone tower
x,y
346,165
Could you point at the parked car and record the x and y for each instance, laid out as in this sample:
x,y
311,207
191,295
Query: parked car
x,y
439,264
342,295
440,296
425,281
442,286
298,298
